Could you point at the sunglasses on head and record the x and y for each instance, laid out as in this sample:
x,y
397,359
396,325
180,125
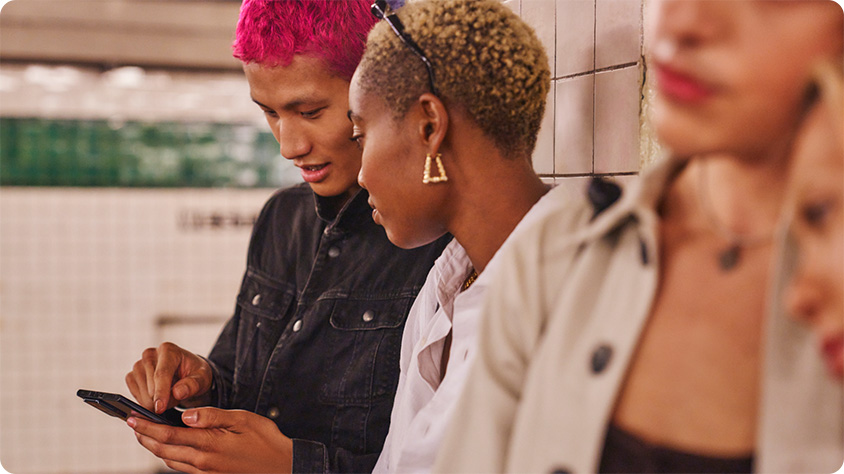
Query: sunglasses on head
x,y
382,11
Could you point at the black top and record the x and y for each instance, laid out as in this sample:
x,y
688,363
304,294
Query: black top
x,y
624,452
315,339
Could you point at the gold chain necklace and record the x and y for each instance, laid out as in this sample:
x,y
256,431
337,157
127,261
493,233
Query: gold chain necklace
x,y
469,280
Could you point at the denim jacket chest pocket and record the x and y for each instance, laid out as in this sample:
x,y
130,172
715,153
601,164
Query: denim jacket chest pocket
x,y
365,347
262,306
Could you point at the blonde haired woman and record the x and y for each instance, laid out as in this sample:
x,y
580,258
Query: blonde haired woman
x,y
447,103
635,341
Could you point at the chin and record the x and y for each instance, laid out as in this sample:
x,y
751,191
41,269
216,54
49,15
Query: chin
x,y
408,242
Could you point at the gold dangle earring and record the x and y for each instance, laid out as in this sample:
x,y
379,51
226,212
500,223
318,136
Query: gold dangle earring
x,y
427,178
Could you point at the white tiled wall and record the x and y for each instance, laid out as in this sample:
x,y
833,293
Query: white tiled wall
x,y
86,278
595,48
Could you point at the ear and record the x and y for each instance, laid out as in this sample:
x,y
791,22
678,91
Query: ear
x,y
433,123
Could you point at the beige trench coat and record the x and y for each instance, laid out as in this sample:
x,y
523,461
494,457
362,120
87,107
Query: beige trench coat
x,y
562,320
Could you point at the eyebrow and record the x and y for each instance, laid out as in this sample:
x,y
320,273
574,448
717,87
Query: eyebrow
x,y
296,103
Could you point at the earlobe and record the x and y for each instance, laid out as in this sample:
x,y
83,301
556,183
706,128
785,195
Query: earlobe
x,y
434,121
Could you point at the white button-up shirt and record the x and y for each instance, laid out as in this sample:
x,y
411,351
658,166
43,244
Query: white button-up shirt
x,y
425,400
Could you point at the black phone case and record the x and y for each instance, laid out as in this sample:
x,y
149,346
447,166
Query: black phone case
x,y
117,405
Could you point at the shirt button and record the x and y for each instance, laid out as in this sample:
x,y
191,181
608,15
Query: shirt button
x,y
256,300
368,316
273,413
333,252
297,325
601,358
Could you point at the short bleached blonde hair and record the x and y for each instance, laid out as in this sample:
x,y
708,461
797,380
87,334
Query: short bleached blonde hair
x,y
486,60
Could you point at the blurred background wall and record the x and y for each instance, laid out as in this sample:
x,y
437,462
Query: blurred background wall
x,y
132,164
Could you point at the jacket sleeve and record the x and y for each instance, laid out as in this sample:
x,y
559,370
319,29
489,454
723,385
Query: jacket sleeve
x,y
222,360
478,437
222,357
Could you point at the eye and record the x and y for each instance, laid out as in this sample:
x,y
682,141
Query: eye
x,y
815,214
358,138
270,113
312,114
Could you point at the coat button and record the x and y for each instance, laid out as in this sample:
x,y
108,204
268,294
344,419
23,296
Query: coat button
x,y
368,316
273,413
333,252
297,325
601,358
256,300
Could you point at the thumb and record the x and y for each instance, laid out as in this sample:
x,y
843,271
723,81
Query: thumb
x,y
187,387
209,417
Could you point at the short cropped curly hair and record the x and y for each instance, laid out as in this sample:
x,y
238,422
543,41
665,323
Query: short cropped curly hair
x,y
485,58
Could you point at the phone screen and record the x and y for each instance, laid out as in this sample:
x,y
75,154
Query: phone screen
x,y
117,405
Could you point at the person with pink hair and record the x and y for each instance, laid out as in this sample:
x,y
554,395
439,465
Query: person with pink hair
x,y
303,376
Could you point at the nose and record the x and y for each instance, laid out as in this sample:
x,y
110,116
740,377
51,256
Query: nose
x,y
803,298
689,23
360,178
293,140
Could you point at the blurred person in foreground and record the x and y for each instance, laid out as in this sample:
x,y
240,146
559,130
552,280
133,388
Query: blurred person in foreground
x,y
446,104
639,339
304,374
815,206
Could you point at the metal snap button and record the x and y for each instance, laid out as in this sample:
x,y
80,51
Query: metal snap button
x,y
256,300
601,358
368,316
273,413
297,325
333,252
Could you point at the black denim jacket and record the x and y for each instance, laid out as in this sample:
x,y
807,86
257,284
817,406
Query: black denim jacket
x,y
315,339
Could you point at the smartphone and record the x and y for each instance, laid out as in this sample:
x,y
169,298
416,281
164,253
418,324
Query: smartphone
x,y
121,407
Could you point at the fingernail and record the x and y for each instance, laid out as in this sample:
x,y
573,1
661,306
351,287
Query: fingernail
x,y
159,406
131,422
189,417
180,392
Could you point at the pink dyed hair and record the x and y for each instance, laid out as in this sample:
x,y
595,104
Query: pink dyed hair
x,y
271,32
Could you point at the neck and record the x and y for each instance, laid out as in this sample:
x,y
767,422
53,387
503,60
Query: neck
x,y
742,197
490,206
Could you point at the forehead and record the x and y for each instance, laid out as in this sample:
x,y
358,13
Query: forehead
x,y
305,78
365,105
819,149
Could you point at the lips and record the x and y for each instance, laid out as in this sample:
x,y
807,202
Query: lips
x,y
681,87
314,173
833,354
375,214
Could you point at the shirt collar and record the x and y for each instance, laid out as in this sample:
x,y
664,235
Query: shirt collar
x,y
352,214
640,199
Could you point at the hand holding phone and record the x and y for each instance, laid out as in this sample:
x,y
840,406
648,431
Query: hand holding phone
x,y
117,405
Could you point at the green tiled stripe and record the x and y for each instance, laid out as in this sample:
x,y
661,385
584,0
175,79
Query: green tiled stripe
x,y
39,152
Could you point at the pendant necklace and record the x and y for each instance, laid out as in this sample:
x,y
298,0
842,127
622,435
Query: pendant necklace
x,y
730,257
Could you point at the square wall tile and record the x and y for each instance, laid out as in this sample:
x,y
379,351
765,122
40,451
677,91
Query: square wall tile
x,y
543,154
617,97
515,5
618,32
573,125
571,188
575,37
539,14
